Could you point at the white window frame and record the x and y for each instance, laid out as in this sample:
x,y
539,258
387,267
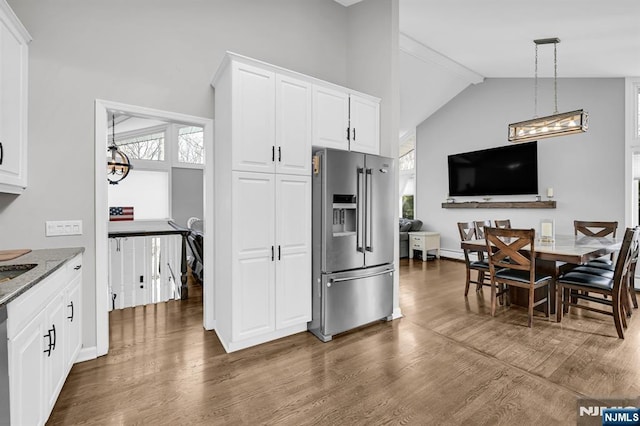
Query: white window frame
x,y
176,162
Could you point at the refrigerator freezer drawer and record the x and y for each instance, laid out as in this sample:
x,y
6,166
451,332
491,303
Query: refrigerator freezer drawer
x,y
352,301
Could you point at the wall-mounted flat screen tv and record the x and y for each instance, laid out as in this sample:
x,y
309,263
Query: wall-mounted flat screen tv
x,y
506,170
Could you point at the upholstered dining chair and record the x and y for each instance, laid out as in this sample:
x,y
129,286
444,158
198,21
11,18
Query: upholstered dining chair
x,y
480,225
506,223
467,231
577,285
512,262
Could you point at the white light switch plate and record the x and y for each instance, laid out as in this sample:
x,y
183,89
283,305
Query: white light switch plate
x,y
55,228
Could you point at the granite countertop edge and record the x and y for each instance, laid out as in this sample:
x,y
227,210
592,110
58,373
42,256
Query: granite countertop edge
x,y
47,262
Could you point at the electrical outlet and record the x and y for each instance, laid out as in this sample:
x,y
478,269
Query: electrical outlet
x,y
56,228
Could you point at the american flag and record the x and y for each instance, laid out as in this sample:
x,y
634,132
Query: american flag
x,y
120,213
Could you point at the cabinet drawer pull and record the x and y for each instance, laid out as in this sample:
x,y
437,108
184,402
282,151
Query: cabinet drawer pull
x,y
1,153
273,153
273,253
70,305
354,134
54,336
77,267
280,154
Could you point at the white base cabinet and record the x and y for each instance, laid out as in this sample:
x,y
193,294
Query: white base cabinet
x,y
269,287
44,328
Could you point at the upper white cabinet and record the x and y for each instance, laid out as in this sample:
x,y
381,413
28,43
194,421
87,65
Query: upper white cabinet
x,y
270,115
345,120
330,118
253,118
14,57
364,123
293,125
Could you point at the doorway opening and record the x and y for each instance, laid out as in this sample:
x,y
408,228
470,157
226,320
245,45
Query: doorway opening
x,y
176,124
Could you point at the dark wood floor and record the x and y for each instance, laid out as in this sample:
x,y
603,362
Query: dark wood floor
x,y
446,362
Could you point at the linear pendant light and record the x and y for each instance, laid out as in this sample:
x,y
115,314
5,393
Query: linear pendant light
x,y
558,124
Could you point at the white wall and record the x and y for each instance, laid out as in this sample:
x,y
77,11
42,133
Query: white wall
x,y
159,54
586,170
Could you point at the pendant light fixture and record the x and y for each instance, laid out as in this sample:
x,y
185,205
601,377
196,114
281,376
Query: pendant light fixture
x,y
118,165
558,124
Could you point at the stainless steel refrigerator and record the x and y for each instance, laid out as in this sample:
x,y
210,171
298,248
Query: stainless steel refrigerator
x,y
353,227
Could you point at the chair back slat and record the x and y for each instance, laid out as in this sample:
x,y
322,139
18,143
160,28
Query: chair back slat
x,y
506,223
506,246
595,229
480,225
467,231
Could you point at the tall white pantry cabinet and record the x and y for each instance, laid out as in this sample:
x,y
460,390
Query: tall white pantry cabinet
x,y
264,134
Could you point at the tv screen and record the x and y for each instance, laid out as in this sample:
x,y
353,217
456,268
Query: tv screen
x,y
507,170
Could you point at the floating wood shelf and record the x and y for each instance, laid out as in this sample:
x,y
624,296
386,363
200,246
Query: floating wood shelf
x,y
501,205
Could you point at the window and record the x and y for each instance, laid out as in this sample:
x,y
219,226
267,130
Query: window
x,y
407,206
147,191
146,147
191,145
408,161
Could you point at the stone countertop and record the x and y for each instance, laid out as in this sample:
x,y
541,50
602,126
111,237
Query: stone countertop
x,y
47,261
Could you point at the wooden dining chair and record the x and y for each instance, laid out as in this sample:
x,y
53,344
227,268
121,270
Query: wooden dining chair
x,y
480,225
467,231
575,286
596,229
506,223
512,262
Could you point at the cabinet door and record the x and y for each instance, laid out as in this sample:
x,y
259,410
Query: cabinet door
x,y
73,321
253,119
365,125
293,126
13,111
56,369
293,238
253,254
330,118
27,373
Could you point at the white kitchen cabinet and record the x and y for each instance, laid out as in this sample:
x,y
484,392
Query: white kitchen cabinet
x,y
345,120
293,125
43,343
27,373
330,118
14,54
271,257
73,312
270,118
293,247
253,118
364,123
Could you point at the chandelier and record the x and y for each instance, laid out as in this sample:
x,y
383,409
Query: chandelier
x,y
118,166
557,124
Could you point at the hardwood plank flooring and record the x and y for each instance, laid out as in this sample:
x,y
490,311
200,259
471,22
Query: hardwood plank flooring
x,y
446,362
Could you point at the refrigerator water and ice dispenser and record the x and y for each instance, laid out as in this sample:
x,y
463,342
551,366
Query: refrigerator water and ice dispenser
x,y
344,215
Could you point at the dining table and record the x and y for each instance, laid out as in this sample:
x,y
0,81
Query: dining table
x,y
555,256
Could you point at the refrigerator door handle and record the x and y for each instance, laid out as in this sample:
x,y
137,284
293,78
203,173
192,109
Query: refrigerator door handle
x,y
338,280
368,234
359,207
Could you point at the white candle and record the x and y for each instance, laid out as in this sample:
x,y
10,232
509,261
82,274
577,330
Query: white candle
x,y
546,229
549,192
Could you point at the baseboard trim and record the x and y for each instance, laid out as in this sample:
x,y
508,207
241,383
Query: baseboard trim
x,y
397,313
87,354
